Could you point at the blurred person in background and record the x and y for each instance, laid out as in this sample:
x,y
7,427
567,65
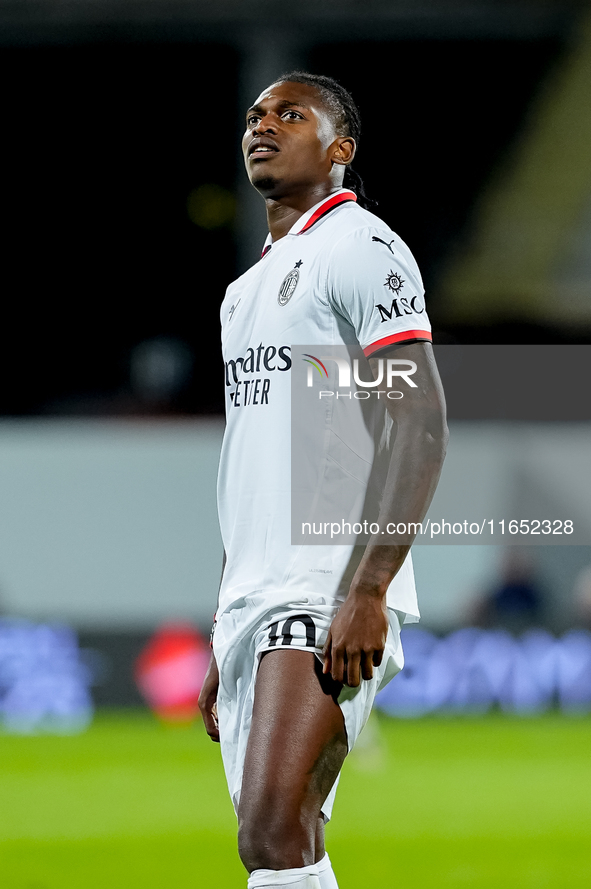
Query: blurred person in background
x,y
306,635
582,598
159,374
515,602
159,371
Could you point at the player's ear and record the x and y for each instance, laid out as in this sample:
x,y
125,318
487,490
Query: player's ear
x,y
343,150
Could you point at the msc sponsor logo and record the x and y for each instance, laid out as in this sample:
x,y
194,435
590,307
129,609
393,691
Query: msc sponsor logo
x,y
400,307
394,282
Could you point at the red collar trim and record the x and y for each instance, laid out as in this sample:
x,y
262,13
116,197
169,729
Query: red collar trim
x,y
324,208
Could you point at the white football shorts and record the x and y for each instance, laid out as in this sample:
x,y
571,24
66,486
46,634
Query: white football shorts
x,y
244,633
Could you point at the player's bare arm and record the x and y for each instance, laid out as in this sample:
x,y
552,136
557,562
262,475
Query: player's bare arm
x,y
358,634
208,695
208,699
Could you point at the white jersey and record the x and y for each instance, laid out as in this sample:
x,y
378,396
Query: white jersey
x,y
339,277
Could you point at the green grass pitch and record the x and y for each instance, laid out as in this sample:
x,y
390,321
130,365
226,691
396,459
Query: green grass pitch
x,y
490,802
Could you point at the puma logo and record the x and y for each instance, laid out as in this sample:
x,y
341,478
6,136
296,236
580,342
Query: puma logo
x,y
389,246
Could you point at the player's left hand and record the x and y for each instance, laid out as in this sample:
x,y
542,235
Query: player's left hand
x,y
356,639
208,700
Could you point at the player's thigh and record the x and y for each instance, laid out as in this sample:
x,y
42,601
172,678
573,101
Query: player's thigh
x,y
297,742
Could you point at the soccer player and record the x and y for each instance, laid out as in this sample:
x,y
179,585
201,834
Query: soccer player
x,y
306,635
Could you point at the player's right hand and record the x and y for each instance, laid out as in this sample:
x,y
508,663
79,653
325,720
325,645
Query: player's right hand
x,y
356,638
208,700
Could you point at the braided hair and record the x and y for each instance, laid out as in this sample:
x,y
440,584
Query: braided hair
x,y
347,120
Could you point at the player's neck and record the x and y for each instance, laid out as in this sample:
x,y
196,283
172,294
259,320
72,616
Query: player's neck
x,y
284,212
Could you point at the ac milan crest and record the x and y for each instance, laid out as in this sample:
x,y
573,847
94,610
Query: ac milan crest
x,y
290,282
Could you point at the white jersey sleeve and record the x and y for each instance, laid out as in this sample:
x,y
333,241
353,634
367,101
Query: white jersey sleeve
x,y
374,282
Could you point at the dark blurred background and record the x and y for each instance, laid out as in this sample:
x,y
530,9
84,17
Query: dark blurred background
x,y
127,212
125,205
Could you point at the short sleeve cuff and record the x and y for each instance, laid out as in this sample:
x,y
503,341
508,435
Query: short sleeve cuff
x,y
405,336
